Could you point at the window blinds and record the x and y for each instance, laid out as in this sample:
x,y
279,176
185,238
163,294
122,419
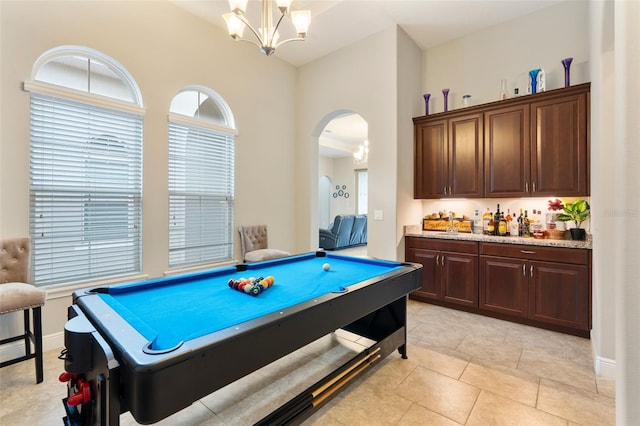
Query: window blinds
x,y
85,191
201,197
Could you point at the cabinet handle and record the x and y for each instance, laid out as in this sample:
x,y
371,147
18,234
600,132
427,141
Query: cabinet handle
x,y
531,271
526,187
437,260
442,258
533,186
444,189
527,252
450,191
524,270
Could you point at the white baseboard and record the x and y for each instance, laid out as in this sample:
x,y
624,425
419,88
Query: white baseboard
x,y
605,367
16,349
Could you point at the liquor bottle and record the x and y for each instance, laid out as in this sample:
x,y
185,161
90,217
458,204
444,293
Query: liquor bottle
x,y
503,228
491,228
477,222
526,223
486,217
496,220
521,224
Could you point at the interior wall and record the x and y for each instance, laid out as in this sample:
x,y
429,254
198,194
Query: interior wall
x,y
165,49
475,64
625,212
359,78
603,160
410,104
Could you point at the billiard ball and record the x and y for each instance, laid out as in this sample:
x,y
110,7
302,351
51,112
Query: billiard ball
x,y
326,266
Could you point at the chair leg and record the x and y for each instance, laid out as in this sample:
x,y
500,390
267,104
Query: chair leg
x,y
37,331
27,331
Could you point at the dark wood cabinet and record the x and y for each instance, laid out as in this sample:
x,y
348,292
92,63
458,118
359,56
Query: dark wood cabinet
x,y
542,284
504,286
535,145
559,294
448,157
559,157
507,152
450,270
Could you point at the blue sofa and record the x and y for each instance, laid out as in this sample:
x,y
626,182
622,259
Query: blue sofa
x,y
345,231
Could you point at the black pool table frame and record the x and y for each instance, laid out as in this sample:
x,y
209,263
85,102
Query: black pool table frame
x,y
112,380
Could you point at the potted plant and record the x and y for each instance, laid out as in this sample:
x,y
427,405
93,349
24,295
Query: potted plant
x,y
578,212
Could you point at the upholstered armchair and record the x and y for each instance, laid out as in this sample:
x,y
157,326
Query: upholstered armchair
x,y
338,234
254,244
16,295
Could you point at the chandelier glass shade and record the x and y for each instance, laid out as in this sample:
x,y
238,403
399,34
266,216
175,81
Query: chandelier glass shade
x,y
361,156
266,36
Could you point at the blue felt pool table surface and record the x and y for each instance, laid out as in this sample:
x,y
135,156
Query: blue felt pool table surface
x,y
171,310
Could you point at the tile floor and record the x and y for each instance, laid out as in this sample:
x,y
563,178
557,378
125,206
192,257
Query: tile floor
x,y
463,369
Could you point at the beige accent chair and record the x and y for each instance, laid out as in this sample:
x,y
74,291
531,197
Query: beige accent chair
x,y
17,295
254,245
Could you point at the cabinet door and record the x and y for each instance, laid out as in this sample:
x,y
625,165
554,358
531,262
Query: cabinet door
x,y
559,294
431,153
504,285
559,146
460,278
507,152
429,259
465,177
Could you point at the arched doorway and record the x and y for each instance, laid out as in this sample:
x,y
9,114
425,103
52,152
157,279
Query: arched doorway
x,y
342,167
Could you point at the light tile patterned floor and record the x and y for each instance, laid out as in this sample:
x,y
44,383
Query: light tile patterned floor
x,y
463,369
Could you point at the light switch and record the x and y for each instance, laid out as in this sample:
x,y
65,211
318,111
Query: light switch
x,y
378,215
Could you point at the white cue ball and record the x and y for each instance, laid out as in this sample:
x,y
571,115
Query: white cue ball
x,y
326,266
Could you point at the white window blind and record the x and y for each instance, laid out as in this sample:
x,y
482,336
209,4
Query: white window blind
x,y
85,192
201,197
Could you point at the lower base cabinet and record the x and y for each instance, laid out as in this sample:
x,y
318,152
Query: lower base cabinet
x,y
548,287
449,272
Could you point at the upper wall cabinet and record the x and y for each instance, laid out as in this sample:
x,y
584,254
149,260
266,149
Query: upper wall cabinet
x,y
535,145
448,156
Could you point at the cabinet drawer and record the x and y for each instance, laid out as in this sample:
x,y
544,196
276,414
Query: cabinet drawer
x,y
549,254
470,247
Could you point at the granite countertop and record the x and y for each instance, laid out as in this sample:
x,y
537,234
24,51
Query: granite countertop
x,y
411,231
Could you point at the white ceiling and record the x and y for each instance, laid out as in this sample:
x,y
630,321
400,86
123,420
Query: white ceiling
x,y
338,23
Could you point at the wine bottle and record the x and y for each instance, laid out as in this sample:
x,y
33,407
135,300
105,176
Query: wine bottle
x,y
527,231
496,220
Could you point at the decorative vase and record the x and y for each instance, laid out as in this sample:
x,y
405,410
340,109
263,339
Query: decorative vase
x,y
534,80
566,63
426,103
503,89
578,234
445,92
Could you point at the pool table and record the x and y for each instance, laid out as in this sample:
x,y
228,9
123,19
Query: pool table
x,y
154,347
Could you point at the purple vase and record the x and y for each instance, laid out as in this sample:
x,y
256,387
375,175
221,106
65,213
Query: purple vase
x,y
445,92
426,103
566,63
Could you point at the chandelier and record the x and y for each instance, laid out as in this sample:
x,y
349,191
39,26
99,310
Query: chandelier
x,y
267,35
361,156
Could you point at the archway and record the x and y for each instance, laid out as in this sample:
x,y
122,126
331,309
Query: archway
x,y
343,165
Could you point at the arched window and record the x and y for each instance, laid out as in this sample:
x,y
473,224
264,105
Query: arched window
x,y
201,178
86,168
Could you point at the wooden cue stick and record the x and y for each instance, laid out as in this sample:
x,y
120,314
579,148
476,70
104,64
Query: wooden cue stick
x,y
318,401
302,403
330,383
